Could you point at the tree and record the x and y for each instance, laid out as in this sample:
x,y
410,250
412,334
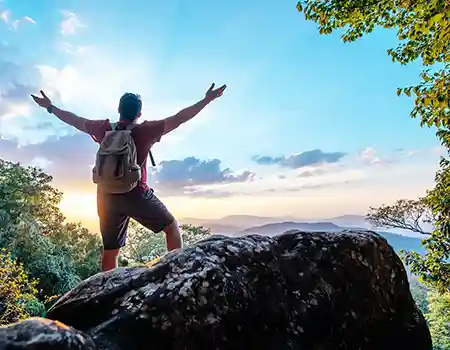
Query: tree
x,y
83,247
16,290
436,309
420,294
434,267
27,191
42,259
423,29
144,246
438,319
403,214
192,234
33,229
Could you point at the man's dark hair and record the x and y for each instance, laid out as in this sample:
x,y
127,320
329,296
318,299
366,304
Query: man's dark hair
x,y
130,106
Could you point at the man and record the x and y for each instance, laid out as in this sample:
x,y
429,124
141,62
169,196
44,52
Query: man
x,y
141,204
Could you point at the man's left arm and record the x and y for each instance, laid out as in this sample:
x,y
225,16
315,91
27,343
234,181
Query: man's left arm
x,y
173,122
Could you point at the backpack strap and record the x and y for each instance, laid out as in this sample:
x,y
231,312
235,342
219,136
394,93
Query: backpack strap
x,y
127,127
130,127
151,158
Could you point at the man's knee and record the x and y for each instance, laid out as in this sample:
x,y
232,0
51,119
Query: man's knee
x,y
172,228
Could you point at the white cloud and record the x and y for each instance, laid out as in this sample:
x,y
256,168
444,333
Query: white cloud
x,y
15,109
288,183
95,92
4,16
68,48
412,153
15,24
439,150
93,82
29,19
71,23
41,162
370,156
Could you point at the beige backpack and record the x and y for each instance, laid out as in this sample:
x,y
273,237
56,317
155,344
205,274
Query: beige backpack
x,y
116,168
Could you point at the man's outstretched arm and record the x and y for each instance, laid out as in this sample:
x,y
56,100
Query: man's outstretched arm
x,y
66,116
173,122
70,118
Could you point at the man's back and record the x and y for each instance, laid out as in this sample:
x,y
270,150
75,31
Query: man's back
x,y
145,135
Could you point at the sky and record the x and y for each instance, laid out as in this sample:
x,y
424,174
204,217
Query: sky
x,y
309,126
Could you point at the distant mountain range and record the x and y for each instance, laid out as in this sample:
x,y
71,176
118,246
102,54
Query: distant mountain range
x,y
237,225
280,227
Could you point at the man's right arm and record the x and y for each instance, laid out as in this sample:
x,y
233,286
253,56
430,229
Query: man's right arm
x,y
71,119
95,128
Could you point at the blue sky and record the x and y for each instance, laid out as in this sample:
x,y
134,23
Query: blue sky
x,y
290,90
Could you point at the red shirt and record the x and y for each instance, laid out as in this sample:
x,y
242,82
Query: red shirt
x,y
145,135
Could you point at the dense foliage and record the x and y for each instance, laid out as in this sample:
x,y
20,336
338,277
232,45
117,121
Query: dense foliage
x,y
436,308
34,231
17,290
438,319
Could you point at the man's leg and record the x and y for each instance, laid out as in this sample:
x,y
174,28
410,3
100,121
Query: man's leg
x,y
150,212
173,236
110,259
113,227
114,234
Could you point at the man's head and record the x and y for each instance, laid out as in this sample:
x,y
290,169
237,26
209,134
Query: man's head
x,y
130,106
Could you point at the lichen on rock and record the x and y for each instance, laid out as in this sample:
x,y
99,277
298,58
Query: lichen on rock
x,y
299,290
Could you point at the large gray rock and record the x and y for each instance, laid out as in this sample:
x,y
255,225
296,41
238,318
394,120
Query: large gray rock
x,y
42,334
298,290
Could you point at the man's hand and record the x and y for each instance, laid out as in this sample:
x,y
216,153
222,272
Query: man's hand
x,y
173,122
65,116
213,94
43,101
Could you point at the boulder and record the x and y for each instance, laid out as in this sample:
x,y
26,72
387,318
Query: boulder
x,y
298,290
43,334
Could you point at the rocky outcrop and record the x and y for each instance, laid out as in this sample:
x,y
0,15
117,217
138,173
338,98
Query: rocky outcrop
x,y
299,290
43,334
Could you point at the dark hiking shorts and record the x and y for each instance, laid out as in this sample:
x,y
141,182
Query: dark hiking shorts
x,y
115,210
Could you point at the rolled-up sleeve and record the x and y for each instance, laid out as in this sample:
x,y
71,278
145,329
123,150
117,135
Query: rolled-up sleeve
x,y
97,129
153,129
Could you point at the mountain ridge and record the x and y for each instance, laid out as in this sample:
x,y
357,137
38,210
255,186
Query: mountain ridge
x,y
271,227
240,222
